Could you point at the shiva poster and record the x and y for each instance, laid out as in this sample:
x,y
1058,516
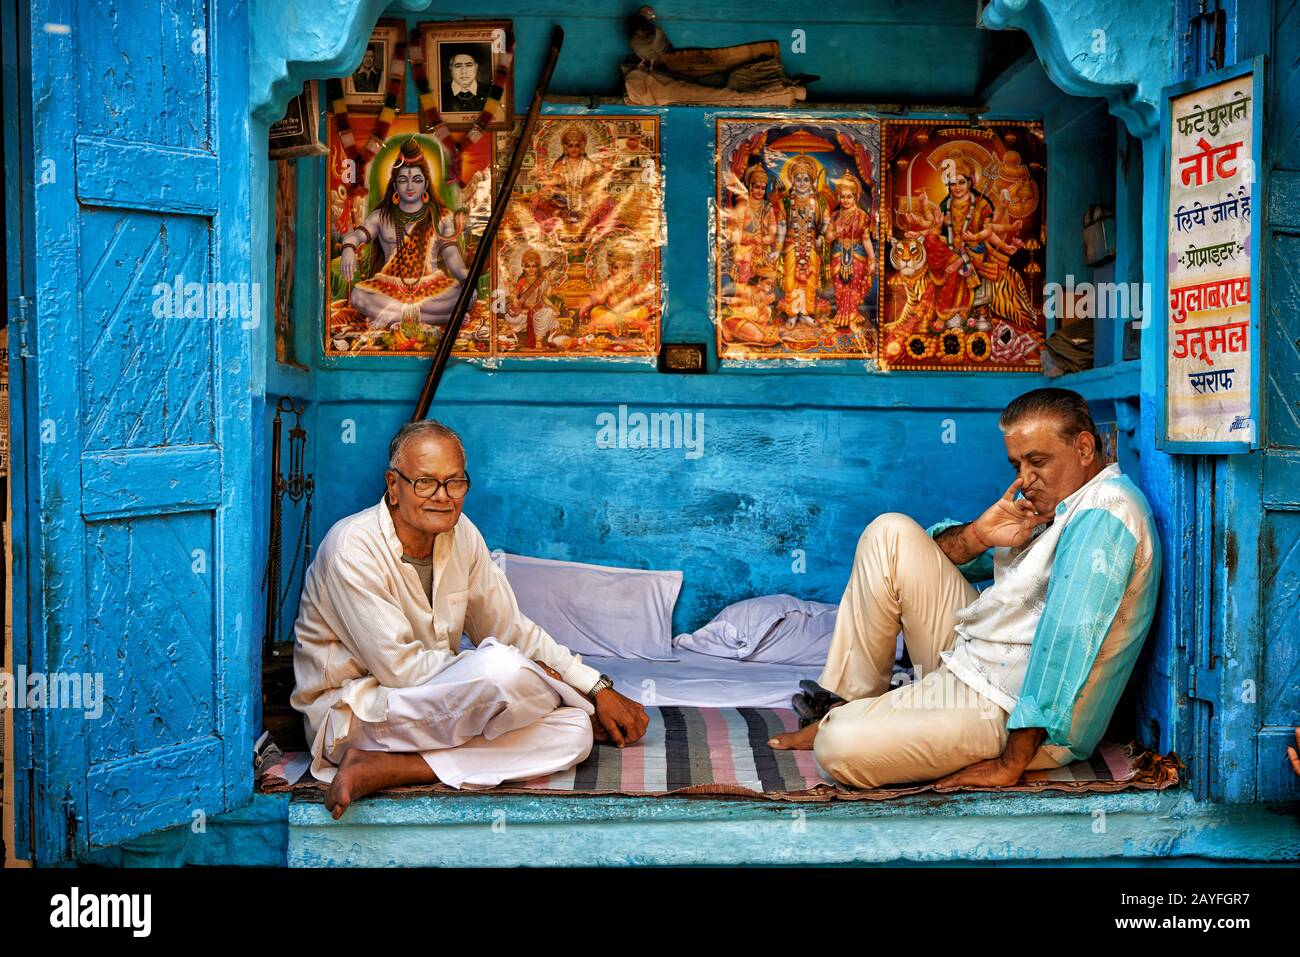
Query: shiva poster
x,y
795,245
401,233
962,280
577,257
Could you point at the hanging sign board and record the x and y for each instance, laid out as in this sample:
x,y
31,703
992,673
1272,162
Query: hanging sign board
x,y
1212,130
297,133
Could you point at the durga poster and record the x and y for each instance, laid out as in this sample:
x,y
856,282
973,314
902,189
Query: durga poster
x,y
966,225
402,231
795,238
577,257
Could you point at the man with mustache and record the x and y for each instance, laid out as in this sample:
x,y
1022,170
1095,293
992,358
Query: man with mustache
x,y
1024,675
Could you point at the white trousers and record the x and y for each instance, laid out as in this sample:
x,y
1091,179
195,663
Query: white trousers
x,y
492,715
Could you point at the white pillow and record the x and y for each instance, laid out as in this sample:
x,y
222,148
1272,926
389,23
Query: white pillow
x,y
778,629
597,609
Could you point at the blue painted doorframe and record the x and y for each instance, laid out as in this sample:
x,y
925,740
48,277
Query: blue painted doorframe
x,y
1236,592
1231,603
1257,496
138,477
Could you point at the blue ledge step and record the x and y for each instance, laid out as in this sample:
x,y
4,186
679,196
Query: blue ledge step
x,y
520,831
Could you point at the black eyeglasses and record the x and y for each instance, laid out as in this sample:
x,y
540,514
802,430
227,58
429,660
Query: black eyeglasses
x,y
427,487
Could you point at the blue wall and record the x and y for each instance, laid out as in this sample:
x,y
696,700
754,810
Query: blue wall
x,y
794,458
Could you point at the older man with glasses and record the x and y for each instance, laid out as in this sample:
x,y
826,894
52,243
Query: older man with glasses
x,y
386,696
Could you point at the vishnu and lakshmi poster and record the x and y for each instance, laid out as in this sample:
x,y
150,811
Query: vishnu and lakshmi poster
x,y
796,247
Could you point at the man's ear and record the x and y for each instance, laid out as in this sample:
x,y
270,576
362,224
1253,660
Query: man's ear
x,y
1086,445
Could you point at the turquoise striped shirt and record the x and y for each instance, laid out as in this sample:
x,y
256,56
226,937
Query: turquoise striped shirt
x,y
1100,602
1081,624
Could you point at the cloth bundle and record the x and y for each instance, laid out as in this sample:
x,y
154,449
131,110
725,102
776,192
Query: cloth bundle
x,y
778,629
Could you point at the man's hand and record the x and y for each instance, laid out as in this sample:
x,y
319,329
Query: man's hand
x,y
618,719
1291,753
1009,521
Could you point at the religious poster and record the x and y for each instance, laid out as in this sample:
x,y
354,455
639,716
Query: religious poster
x,y
965,221
1211,341
404,222
577,257
795,238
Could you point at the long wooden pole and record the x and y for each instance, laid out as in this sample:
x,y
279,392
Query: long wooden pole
x,y
481,254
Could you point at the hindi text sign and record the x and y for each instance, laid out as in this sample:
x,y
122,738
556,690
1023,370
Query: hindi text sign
x,y
1211,339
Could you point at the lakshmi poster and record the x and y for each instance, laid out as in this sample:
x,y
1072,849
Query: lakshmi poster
x,y
795,238
964,214
577,257
401,235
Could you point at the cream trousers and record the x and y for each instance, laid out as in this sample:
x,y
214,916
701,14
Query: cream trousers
x,y
921,731
492,715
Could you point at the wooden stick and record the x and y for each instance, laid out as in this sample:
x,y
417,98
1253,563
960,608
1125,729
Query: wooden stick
x,y
483,250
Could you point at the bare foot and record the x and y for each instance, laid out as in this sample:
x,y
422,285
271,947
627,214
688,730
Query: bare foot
x,y
801,740
365,772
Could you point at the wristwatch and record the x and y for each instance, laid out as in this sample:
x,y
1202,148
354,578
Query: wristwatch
x,y
605,681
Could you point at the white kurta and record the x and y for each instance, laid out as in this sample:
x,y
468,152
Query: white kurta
x,y
365,625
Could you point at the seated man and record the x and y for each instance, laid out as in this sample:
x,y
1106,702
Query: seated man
x,y
386,698
1024,675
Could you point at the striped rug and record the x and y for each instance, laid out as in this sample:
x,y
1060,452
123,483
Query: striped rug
x,y
696,749
724,752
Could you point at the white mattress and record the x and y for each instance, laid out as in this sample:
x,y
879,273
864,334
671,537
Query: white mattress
x,y
704,681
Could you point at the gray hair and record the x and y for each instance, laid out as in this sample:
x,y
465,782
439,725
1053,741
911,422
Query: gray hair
x,y
424,428
1067,407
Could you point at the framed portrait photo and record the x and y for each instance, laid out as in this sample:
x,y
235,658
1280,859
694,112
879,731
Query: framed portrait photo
x,y
462,59
367,85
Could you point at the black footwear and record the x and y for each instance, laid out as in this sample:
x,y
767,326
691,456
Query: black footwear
x,y
812,689
812,703
804,709
818,695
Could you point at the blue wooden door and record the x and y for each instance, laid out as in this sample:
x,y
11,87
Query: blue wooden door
x,y
138,498
1254,668
1279,687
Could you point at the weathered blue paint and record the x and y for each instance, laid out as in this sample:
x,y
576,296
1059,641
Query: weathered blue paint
x,y
900,41
255,835
1255,621
736,522
19,230
139,507
794,459
509,831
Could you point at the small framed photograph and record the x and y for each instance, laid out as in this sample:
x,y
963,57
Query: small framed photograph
x,y
462,58
367,85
